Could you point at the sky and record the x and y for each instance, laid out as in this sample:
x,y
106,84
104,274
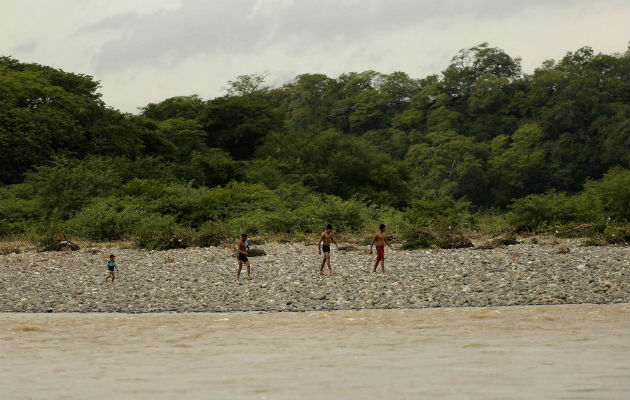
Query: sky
x,y
145,51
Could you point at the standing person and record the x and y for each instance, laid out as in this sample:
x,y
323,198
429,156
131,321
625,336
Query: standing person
x,y
381,241
112,267
243,251
326,238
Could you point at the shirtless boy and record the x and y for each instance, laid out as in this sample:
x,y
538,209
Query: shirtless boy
x,y
326,238
381,241
243,251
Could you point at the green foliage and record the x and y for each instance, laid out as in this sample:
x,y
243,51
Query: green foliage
x,y
108,219
212,233
340,164
433,221
156,233
355,150
613,193
601,201
66,186
188,107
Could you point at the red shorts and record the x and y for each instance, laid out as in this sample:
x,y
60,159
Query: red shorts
x,y
380,253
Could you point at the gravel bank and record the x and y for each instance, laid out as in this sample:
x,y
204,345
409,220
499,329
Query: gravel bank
x,y
287,279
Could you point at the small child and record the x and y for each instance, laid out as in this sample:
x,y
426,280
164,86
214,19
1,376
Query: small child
x,y
111,268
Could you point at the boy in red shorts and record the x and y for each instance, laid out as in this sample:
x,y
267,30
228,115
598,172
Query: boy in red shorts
x,y
381,241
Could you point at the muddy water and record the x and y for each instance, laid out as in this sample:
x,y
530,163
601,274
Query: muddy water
x,y
542,352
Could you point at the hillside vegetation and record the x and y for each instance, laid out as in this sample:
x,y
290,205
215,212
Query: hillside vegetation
x,y
479,147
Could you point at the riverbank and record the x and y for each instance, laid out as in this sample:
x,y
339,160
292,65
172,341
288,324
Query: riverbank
x,y
287,279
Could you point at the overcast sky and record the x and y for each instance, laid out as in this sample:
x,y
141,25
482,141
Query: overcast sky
x,y
147,50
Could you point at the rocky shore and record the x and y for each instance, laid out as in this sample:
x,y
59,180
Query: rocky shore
x,y
287,279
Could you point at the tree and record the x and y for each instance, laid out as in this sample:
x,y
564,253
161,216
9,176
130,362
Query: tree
x,y
188,107
246,84
238,124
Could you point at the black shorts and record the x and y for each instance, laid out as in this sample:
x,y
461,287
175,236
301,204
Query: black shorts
x,y
242,257
325,249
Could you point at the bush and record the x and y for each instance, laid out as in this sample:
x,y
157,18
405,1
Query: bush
x,y
175,199
108,219
154,233
437,222
67,185
47,235
613,193
600,202
443,239
211,234
617,234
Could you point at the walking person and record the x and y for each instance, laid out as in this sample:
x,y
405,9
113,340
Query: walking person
x,y
381,240
326,238
243,251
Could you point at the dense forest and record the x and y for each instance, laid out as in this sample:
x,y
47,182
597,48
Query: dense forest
x,y
479,146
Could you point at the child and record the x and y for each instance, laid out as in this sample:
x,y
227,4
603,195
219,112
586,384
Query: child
x,y
243,251
381,241
111,268
326,238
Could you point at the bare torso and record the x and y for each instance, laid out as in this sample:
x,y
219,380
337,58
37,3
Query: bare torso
x,y
379,239
326,238
241,247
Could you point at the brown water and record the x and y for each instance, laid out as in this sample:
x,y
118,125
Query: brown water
x,y
542,352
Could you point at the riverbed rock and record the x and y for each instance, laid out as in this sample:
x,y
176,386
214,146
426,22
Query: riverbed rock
x,y
286,278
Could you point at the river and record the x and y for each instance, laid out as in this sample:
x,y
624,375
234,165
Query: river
x,y
534,352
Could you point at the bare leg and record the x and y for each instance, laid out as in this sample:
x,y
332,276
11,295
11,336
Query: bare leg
x,y
321,266
113,277
249,274
383,266
238,273
375,264
328,262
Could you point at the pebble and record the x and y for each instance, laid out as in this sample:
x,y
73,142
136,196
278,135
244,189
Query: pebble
x,y
287,279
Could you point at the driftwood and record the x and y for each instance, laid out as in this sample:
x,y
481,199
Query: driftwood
x,y
177,243
256,252
391,239
498,242
458,242
67,245
580,227
348,248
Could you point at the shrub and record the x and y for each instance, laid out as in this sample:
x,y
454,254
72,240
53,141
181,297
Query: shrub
x,y
67,185
437,222
108,219
211,234
47,234
613,192
154,233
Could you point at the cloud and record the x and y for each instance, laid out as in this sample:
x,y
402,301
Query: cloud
x,y
147,51
24,48
243,27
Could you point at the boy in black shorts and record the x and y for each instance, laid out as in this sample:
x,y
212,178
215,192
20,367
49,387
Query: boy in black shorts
x,y
243,251
326,238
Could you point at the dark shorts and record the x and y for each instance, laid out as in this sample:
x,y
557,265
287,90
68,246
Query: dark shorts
x,y
242,257
325,249
380,253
